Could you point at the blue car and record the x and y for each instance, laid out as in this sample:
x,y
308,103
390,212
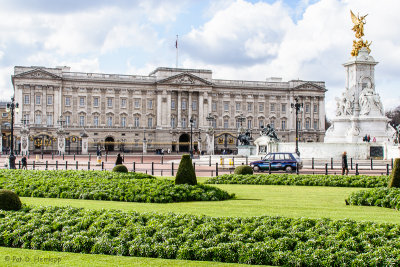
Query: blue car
x,y
278,161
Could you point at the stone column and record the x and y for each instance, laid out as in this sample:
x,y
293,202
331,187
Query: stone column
x,y
159,110
24,140
210,141
145,146
321,114
61,142
169,109
189,106
201,109
85,144
179,123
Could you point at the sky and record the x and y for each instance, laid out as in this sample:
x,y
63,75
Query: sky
x,y
236,39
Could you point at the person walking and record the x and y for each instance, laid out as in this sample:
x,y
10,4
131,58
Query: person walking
x,y
24,163
119,160
345,166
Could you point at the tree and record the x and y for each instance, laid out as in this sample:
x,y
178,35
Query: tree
x,y
394,116
327,123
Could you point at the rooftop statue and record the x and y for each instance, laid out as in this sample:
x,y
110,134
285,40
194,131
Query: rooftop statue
x,y
358,28
358,24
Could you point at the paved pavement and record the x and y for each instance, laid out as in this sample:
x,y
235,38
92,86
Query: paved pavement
x,y
167,165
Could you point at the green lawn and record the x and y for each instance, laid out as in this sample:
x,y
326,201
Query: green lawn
x,y
253,200
28,257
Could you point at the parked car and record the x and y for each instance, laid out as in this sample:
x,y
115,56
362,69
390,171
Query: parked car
x,y
278,161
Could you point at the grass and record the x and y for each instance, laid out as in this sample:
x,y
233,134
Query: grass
x,y
253,200
28,257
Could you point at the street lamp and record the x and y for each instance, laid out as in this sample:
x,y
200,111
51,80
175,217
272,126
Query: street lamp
x,y
10,107
241,119
297,106
191,137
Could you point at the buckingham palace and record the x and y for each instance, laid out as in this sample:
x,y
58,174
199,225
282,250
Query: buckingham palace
x,y
167,110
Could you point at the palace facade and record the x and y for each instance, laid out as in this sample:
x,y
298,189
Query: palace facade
x,y
118,112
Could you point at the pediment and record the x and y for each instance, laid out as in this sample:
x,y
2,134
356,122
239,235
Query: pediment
x,y
310,86
185,79
37,74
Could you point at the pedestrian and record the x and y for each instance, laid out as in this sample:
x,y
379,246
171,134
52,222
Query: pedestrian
x,y
24,163
345,167
369,138
119,160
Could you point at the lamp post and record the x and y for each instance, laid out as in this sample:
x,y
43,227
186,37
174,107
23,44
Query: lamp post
x,y
191,137
11,107
241,119
297,106
210,134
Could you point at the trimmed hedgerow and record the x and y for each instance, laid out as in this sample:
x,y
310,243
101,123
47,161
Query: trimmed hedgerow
x,y
9,200
256,240
302,179
394,180
381,197
113,187
186,173
120,168
243,170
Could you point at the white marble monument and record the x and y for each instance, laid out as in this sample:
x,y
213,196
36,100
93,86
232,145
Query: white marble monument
x,y
359,111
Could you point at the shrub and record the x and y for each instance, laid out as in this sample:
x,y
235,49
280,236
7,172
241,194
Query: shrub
x,y
9,200
243,169
395,175
186,173
120,168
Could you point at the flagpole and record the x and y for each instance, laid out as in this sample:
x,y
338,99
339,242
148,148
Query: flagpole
x,y
176,46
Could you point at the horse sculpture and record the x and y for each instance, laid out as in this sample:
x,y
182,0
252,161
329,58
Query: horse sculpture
x,y
245,138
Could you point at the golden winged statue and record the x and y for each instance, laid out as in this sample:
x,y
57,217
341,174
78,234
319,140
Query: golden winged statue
x,y
358,24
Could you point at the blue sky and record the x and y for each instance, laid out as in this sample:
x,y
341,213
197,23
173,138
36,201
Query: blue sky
x,y
236,39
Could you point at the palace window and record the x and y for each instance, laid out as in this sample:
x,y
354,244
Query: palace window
x,y
67,120
183,104
272,107
123,121
283,125
49,100
109,121
38,118
214,106
194,123
95,102
226,123
123,103
194,105
214,123
136,122
299,124
150,104
307,108
226,106
260,123
316,124
96,121
283,107
81,101
67,101
150,122
37,102
261,107
249,124
137,103
109,102
81,120
184,123
272,123
308,124
249,107
172,103
49,119
315,108
238,106
26,99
